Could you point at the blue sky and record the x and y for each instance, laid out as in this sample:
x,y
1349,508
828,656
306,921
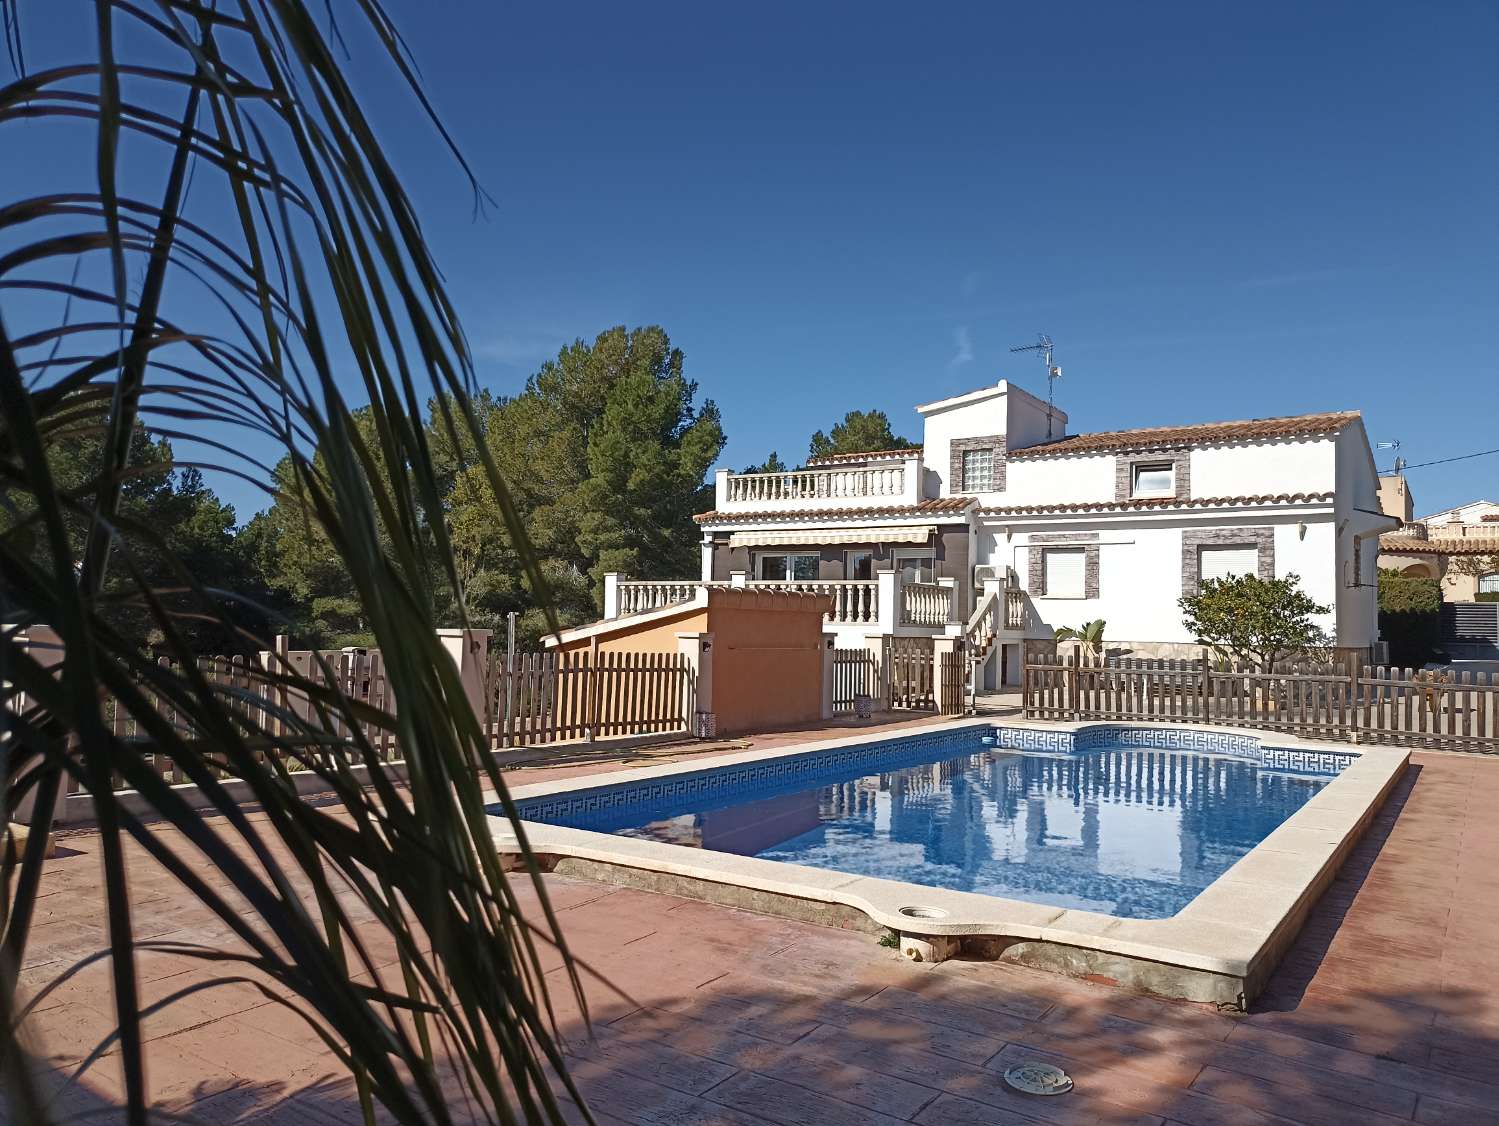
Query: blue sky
x,y
1217,211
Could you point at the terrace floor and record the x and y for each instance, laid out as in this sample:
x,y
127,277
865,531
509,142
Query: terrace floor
x,y
1386,1011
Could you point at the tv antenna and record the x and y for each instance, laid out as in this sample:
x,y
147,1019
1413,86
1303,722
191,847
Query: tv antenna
x,y
1044,346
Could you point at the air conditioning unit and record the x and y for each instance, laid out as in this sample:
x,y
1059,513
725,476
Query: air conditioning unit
x,y
984,572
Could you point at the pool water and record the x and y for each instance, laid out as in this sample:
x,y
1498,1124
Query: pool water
x,y
1126,831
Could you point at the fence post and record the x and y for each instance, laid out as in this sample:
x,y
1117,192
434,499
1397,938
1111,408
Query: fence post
x,y
1353,700
697,702
1205,685
469,649
875,643
595,684
829,643
945,669
1072,682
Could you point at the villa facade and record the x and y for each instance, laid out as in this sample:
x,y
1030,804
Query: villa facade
x,y
1002,527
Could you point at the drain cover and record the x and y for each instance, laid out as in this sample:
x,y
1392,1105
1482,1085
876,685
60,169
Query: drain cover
x,y
1039,1079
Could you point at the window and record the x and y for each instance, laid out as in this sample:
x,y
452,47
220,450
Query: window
x,y
1066,571
858,565
978,471
779,567
1154,479
915,566
1489,584
1227,562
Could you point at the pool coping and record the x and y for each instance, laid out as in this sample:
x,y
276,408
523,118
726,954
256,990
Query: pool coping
x,y
1221,947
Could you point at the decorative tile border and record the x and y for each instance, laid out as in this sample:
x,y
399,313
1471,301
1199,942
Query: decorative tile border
x,y
749,781
1246,747
725,783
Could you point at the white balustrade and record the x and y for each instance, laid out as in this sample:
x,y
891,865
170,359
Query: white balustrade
x,y
637,596
1014,608
925,604
818,484
855,601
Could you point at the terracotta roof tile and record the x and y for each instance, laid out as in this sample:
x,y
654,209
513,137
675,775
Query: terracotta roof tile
x,y
867,455
1163,502
1396,544
951,506
1205,433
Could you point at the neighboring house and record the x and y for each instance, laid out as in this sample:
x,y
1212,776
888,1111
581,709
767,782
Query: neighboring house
x,y
1454,546
1002,517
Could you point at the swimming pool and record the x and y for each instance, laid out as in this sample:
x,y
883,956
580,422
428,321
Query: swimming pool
x,y
1174,859
1116,827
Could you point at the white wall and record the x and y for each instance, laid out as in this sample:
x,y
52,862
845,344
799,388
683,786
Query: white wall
x,y
1057,480
1265,468
985,415
1139,573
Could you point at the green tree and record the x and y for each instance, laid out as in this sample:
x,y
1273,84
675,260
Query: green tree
x,y
1249,619
167,516
1410,617
859,432
772,464
608,459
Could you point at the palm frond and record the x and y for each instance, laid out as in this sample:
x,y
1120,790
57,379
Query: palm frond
x,y
321,295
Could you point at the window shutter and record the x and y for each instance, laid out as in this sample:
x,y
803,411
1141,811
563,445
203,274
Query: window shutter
x,y
1065,569
1225,562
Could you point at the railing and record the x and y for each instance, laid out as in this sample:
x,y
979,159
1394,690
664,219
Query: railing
x,y
556,697
855,601
818,484
639,595
1455,711
925,604
1014,608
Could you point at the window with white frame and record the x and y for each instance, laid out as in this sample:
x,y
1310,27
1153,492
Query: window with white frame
x,y
1227,561
1489,584
1153,479
978,471
779,567
1066,571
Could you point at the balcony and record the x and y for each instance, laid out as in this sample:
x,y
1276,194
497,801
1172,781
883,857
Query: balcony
x,y
888,481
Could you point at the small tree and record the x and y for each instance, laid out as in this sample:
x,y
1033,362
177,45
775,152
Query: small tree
x,y
1089,634
1247,618
859,432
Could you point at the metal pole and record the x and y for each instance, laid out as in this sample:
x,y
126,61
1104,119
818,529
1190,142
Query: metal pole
x,y
509,672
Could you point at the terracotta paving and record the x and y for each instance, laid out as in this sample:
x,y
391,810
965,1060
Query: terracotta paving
x,y
1386,1011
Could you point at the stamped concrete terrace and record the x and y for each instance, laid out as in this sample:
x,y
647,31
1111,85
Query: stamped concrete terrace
x,y
1386,1010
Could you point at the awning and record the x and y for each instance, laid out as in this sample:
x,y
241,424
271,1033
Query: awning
x,y
918,534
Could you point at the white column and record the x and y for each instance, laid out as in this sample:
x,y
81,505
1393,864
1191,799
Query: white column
x,y
698,649
469,649
888,596
721,489
829,642
739,578
707,552
955,616
611,594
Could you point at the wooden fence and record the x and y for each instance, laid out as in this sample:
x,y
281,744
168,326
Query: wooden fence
x,y
908,669
560,697
265,708
1455,711
855,673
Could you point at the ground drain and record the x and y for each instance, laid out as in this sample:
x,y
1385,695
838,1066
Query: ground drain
x,y
1039,1079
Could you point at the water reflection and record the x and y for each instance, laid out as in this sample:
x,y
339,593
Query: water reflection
x,y
1129,832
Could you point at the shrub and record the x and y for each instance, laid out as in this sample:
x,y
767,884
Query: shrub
x,y
1410,617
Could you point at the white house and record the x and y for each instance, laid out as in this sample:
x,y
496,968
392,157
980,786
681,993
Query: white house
x,y
1003,527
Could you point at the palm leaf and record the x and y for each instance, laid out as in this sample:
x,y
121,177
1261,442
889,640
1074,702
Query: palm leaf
x,y
319,274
